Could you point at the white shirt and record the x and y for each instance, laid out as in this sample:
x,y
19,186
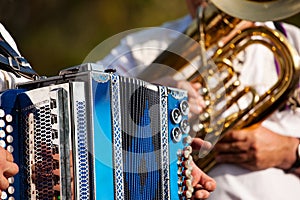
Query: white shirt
x,y
7,79
138,49
233,182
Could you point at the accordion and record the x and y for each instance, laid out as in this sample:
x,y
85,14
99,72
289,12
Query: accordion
x,y
87,134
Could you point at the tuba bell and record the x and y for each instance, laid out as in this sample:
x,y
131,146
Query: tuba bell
x,y
230,104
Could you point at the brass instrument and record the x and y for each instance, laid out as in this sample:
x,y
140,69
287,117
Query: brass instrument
x,y
228,92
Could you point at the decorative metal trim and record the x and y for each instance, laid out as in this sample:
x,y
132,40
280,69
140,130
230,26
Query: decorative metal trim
x,y
177,93
101,77
164,141
83,168
117,137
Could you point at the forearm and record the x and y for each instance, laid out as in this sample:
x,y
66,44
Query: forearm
x,y
290,161
286,124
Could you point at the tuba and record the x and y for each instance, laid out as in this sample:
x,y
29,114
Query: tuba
x,y
230,104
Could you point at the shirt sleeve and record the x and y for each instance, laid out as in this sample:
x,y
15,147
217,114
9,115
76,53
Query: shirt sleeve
x,y
286,121
7,79
8,38
138,49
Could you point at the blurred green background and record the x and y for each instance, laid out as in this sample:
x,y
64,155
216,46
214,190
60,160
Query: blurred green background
x,y
55,34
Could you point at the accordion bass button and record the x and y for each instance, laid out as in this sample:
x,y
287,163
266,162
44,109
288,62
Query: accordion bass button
x,y
188,140
11,180
11,198
10,148
189,193
185,126
187,173
186,193
9,139
2,113
2,143
189,149
176,116
2,134
8,118
3,195
184,107
176,134
188,183
180,172
9,129
11,190
2,123
187,152
179,154
187,163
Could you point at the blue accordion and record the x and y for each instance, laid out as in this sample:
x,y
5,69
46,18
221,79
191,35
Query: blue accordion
x,y
87,134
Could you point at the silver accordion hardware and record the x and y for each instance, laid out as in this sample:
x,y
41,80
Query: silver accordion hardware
x,y
86,134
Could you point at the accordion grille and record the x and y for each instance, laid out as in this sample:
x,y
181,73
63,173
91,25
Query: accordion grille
x,y
39,153
141,141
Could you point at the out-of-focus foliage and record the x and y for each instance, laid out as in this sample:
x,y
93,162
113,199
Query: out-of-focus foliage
x,y
55,34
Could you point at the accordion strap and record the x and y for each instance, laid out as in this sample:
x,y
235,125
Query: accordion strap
x,y
11,61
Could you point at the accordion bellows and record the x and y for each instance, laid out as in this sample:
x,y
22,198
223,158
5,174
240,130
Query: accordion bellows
x,y
87,134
